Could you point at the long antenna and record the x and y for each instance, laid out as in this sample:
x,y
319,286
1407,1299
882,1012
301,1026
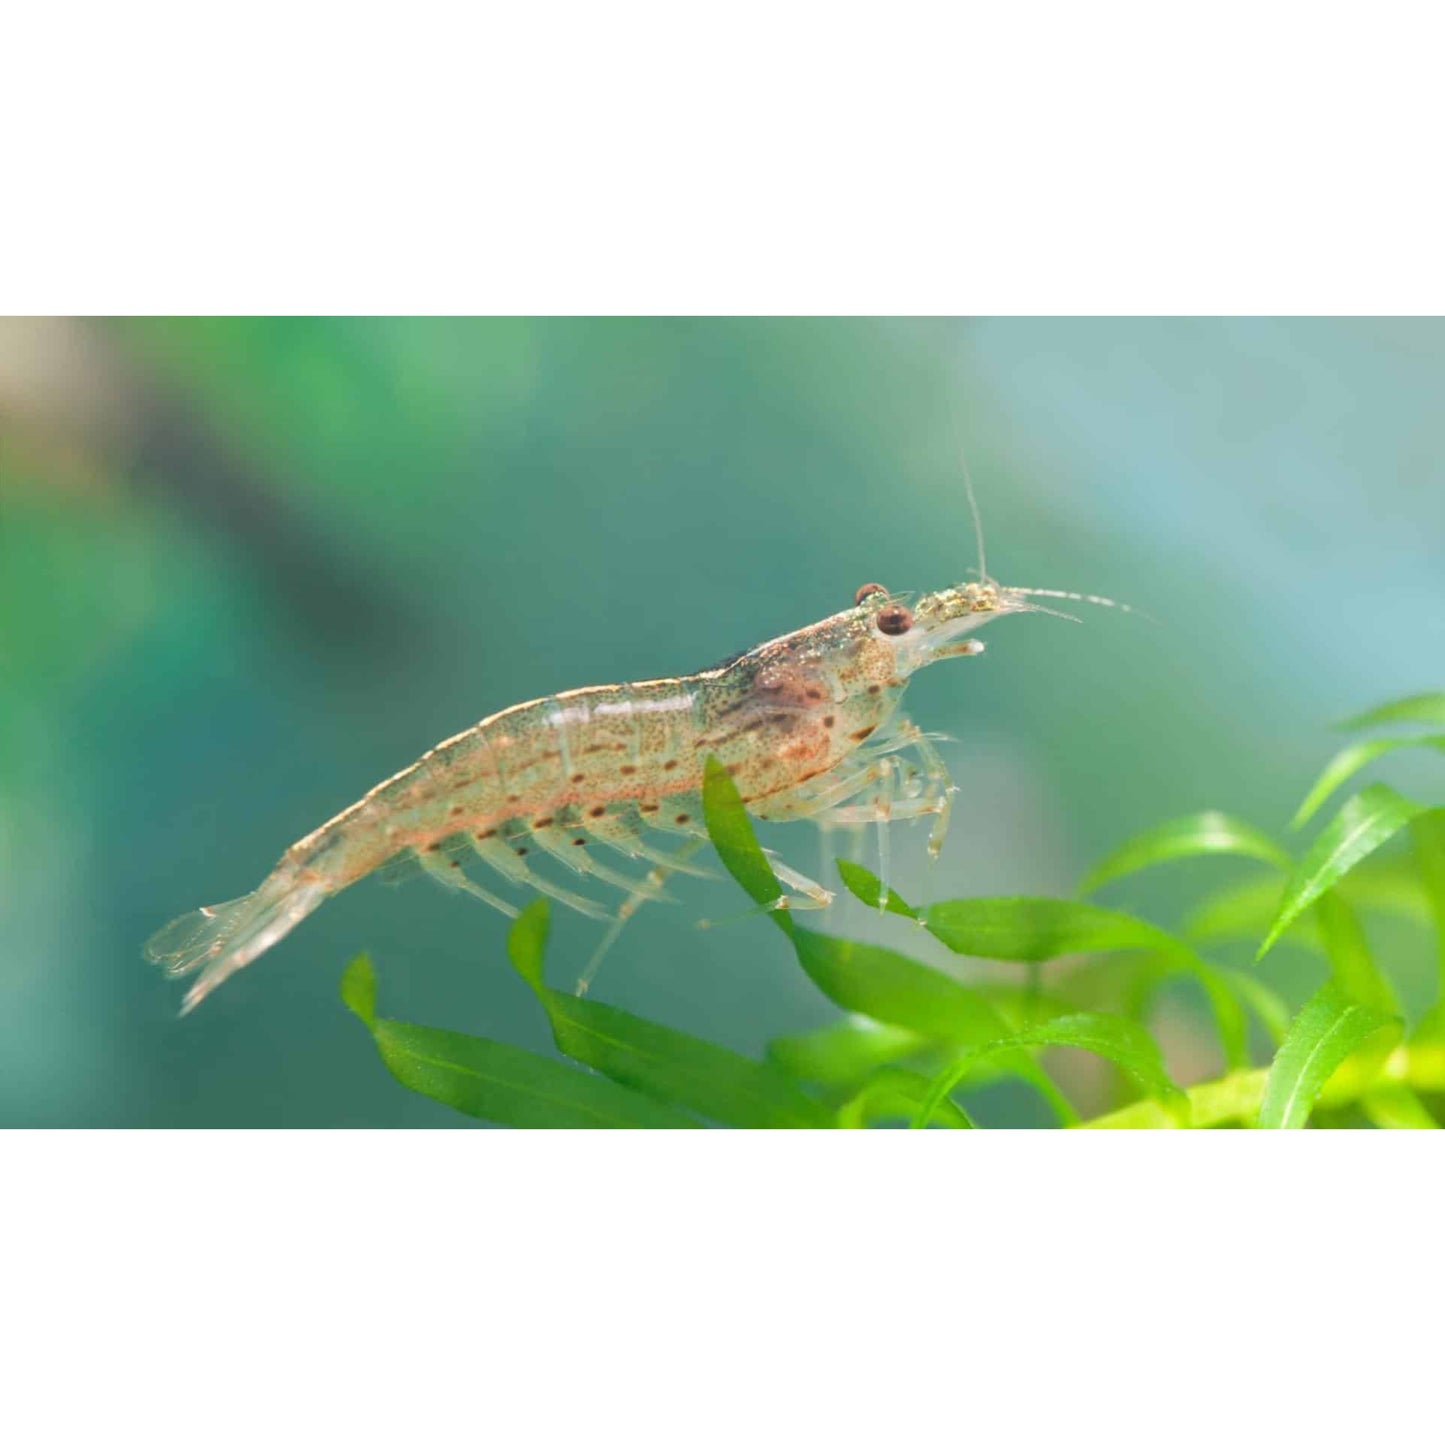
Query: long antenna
x,y
968,489
1082,597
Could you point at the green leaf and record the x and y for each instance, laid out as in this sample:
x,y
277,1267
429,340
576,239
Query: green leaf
x,y
1425,707
1367,820
1246,909
527,941
1351,964
1033,930
864,886
1121,1041
1396,1106
1348,761
896,1094
358,989
1267,1006
495,1081
1126,983
1427,833
1325,1032
668,1065
866,979
732,835
843,1054
1021,930
1196,835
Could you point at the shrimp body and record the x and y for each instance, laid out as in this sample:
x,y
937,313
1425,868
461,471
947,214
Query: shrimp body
x,y
808,725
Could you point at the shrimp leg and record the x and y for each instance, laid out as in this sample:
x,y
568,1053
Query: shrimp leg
x,y
572,853
623,832
510,865
655,878
449,871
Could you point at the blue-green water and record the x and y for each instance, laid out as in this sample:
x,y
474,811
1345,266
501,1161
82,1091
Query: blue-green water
x,y
290,556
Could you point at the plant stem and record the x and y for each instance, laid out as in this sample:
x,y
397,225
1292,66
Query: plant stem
x,y
1235,1099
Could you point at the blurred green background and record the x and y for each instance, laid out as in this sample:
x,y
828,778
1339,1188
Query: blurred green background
x,y
248,568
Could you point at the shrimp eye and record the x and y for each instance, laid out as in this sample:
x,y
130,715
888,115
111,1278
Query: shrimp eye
x,y
867,590
894,620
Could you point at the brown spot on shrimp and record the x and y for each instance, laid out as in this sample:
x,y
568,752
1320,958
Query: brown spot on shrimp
x,y
598,811
863,733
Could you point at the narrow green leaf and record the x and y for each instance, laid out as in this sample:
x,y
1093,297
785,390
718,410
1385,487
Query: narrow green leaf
x,y
680,1069
1348,761
1351,963
1325,1032
843,1054
1194,836
358,989
1267,1006
1238,910
1120,1040
896,1094
1396,1106
1427,833
1246,909
668,1065
1367,820
866,979
527,941
732,835
1025,930
1230,1018
507,1085
864,886
495,1081
1033,930
1425,707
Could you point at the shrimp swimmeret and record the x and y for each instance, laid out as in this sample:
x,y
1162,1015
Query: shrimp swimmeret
x,y
808,724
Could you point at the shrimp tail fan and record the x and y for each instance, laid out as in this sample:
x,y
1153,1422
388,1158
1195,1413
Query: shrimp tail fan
x,y
217,941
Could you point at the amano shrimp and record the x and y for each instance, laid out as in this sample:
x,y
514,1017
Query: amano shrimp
x,y
808,724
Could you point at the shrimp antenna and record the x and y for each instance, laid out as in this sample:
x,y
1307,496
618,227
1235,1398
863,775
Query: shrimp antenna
x,y
1082,597
968,490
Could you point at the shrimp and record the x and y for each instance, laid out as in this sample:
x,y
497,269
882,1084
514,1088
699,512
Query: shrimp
x,y
808,724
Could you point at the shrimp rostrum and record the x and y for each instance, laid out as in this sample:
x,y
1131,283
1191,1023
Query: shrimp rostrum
x,y
809,725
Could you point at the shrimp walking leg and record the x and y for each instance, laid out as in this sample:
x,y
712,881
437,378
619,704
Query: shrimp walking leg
x,y
571,852
655,879
509,865
449,871
937,784
883,812
623,832
808,892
